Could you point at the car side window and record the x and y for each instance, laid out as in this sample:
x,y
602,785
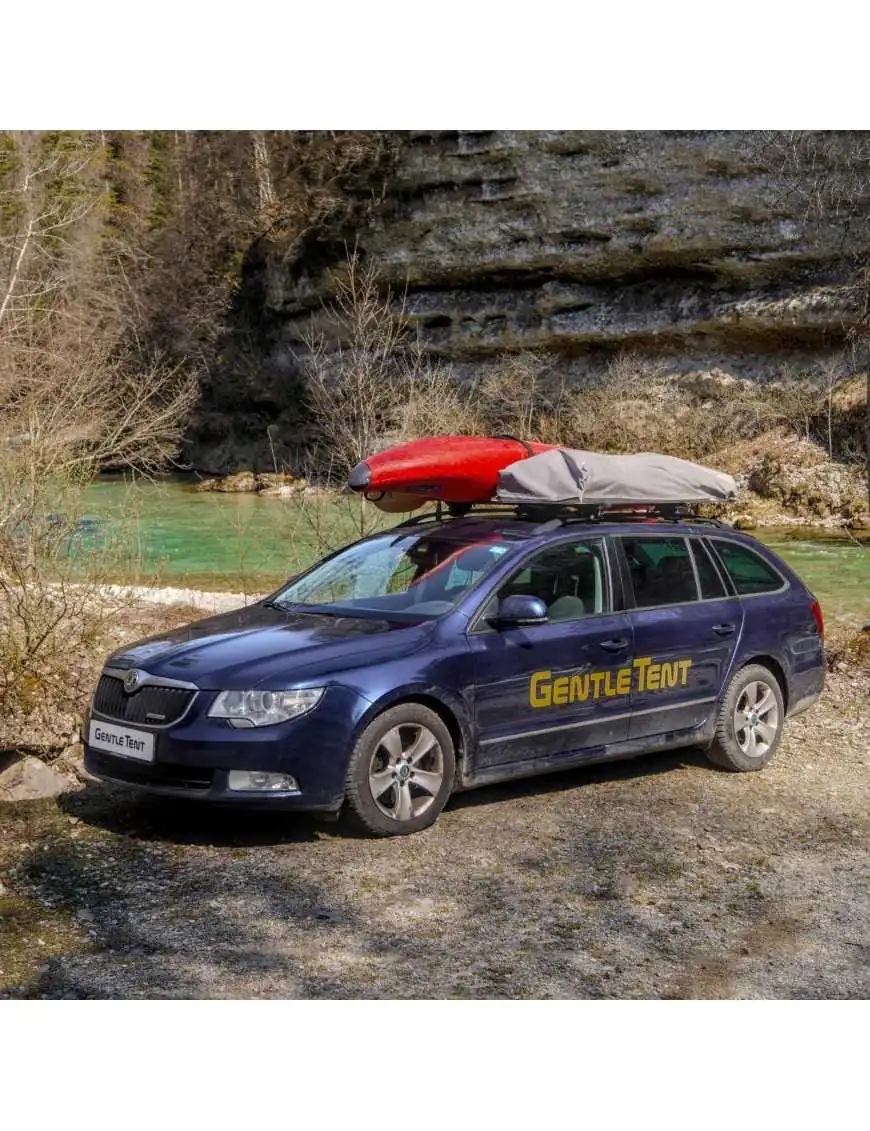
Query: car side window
x,y
570,578
748,570
661,571
712,585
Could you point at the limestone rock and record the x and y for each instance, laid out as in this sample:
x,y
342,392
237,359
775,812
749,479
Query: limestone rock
x,y
248,482
669,241
282,486
72,762
30,780
800,477
243,482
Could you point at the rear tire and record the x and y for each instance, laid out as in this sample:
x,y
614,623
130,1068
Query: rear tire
x,y
401,771
749,724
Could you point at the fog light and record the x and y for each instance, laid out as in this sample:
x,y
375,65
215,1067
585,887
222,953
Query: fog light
x,y
254,781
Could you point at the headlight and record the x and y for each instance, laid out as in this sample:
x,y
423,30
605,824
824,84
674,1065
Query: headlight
x,y
263,708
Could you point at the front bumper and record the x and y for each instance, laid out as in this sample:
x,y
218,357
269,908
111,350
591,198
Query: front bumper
x,y
174,780
193,759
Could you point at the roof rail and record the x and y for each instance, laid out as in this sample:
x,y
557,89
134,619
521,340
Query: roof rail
x,y
550,516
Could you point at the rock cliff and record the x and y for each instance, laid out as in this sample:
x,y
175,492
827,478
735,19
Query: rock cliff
x,y
674,244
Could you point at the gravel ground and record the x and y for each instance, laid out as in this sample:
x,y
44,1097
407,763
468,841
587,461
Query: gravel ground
x,y
655,878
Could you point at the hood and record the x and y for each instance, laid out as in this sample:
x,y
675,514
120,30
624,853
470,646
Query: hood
x,y
264,646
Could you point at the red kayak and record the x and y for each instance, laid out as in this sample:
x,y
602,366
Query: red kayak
x,y
452,469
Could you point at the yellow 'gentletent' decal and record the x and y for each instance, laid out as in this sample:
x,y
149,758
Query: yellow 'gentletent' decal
x,y
544,691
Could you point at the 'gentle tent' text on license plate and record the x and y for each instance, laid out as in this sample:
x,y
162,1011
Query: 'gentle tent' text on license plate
x,y
122,741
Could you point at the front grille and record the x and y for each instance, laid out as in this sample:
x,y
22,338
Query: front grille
x,y
152,705
153,773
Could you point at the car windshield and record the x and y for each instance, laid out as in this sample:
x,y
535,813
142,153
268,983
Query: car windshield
x,y
413,575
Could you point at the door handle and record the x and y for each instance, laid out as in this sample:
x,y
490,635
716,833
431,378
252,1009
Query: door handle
x,y
616,645
723,629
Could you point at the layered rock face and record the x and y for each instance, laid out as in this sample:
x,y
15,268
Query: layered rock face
x,y
587,243
677,245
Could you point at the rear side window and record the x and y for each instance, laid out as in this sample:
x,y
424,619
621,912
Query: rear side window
x,y
712,585
661,571
748,570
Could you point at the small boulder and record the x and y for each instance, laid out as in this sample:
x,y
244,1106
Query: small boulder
x,y
242,482
30,780
72,763
284,490
266,480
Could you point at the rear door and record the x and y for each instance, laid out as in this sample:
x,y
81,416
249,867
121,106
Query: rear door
x,y
686,625
552,690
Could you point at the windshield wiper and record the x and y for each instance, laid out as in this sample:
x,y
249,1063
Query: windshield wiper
x,y
306,610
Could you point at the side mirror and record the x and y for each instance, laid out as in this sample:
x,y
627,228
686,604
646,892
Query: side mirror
x,y
520,610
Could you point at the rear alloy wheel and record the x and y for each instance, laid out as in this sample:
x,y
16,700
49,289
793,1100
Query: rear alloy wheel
x,y
749,725
401,771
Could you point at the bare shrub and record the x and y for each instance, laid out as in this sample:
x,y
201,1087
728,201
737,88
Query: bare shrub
x,y
518,396
55,611
354,374
369,383
641,405
434,402
825,405
66,412
72,400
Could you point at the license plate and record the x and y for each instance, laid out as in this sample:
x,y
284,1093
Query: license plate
x,y
123,741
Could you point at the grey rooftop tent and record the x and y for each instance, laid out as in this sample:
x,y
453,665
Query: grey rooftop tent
x,y
566,476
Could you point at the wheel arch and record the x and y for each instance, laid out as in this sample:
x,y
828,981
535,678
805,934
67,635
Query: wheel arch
x,y
775,667
452,716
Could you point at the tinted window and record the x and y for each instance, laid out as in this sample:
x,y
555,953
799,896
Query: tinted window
x,y
569,578
661,571
749,572
712,584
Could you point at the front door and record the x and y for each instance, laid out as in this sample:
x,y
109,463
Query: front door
x,y
686,626
552,690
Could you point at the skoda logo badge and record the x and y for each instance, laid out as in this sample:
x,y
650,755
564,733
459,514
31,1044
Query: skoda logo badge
x,y
132,680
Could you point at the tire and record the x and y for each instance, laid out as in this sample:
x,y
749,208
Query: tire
x,y
749,747
397,751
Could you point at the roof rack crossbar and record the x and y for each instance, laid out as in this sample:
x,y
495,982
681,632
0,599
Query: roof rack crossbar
x,y
505,510
549,516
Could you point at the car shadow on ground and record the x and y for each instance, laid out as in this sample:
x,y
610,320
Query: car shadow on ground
x,y
181,822
560,780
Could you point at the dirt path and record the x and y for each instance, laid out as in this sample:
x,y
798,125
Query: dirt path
x,y
657,878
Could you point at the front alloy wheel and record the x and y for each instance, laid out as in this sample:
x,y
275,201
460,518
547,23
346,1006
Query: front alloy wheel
x,y
406,772
401,771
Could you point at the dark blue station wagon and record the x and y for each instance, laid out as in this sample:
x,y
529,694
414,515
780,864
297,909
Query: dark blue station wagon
x,y
449,653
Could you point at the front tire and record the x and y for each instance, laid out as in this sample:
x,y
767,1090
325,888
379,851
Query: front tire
x,y
749,725
401,771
